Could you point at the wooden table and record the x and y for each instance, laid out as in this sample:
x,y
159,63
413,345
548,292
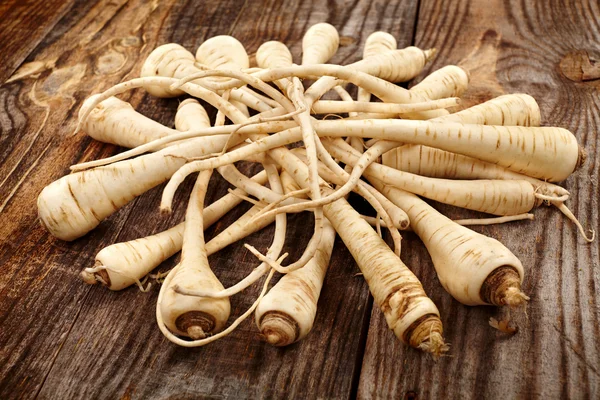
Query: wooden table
x,y
60,338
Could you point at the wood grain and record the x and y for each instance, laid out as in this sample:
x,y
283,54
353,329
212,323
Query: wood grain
x,y
24,24
509,47
62,339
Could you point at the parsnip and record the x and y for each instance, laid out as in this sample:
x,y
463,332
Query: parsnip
x,y
473,268
286,314
186,315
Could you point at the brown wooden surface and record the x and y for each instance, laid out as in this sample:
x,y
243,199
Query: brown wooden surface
x,y
60,338
512,47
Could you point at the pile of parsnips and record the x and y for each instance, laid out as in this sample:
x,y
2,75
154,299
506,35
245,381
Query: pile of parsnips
x,y
493,158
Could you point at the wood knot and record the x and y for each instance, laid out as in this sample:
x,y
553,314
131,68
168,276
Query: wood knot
x,y
110,62
580,66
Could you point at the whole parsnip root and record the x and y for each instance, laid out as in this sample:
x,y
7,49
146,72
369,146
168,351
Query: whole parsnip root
x,y
473,268
286,314
75,204
408,311
186,315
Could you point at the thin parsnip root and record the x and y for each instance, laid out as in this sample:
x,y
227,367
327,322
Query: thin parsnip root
x,y
493,157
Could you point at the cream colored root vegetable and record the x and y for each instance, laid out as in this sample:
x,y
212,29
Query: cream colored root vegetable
x,y
186,315
506,110
225,53
190,116
409,312
115,121
377,43
473,268
449,81
273,54
237,132
76,203
319,44
221,294
174,61
238,229
544,153
287,313
122,264
169,60
508,146
498,197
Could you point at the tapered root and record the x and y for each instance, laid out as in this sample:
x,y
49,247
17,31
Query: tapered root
x,y
426,334
565,210
502,287
196,324
278,329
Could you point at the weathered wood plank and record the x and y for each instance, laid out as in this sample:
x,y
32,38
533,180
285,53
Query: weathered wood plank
x,y
24,25
60,338
513,47
40,296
